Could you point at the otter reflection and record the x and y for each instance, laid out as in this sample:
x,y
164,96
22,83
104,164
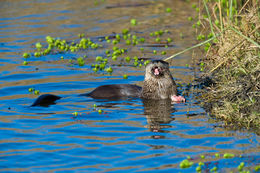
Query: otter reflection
x,y
158,114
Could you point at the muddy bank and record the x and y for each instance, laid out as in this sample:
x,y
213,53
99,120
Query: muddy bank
x,y
232,62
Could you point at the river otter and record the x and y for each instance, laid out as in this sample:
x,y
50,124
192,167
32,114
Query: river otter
x,y
158,84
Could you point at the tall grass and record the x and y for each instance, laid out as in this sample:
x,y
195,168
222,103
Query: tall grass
x,y
232,49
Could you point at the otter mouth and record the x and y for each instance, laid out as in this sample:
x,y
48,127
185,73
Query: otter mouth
x,y
157,71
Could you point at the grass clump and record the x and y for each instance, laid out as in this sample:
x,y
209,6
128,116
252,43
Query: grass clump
x,y
233,62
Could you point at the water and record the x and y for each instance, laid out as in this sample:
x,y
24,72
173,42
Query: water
x,y
130,135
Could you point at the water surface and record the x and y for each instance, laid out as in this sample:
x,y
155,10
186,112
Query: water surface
x,y
131,135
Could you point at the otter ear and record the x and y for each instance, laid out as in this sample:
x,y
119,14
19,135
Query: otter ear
x,y
166,63
160,61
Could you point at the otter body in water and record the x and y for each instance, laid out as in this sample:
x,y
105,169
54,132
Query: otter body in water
x,y
158,84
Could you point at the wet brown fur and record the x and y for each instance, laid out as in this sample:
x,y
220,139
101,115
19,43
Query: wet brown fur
x,y
161,86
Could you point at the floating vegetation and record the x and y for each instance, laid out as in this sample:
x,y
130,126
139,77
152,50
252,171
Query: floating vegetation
x,y
25,63
125,76
209,163
228,155
31,90
26,55
133,22
75,114
117,45
186,164
168,10
36,92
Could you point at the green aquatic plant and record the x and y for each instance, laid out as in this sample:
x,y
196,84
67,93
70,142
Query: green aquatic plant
x,y
102,66
50,40
109,70
115,42
141,40
169,40
100,111
125,76
38,46
81,61
241,166
25,63
186,164
147,62
81,35
114,58
158,39
228,155
198,23
217,155
257,168
36,92
125,31
198,169
128,42
26,55
133,22
168,10
190,18
107,52
201,164
118,37
99,58
163,52
201,37
214,169
31,90
37,54
95,69
127,59
75,114
135,63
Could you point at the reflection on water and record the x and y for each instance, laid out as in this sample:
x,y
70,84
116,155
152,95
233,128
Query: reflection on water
x,y
158,114
131,135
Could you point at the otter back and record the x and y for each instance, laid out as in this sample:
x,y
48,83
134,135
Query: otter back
x,y
116,91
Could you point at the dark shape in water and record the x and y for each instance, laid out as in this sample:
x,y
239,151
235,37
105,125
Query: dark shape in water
x,y
158,84
115,91
45,100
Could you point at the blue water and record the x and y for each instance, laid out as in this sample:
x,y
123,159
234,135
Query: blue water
x,y
130,135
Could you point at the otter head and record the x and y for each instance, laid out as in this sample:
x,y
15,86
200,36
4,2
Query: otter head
x,y
156,69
